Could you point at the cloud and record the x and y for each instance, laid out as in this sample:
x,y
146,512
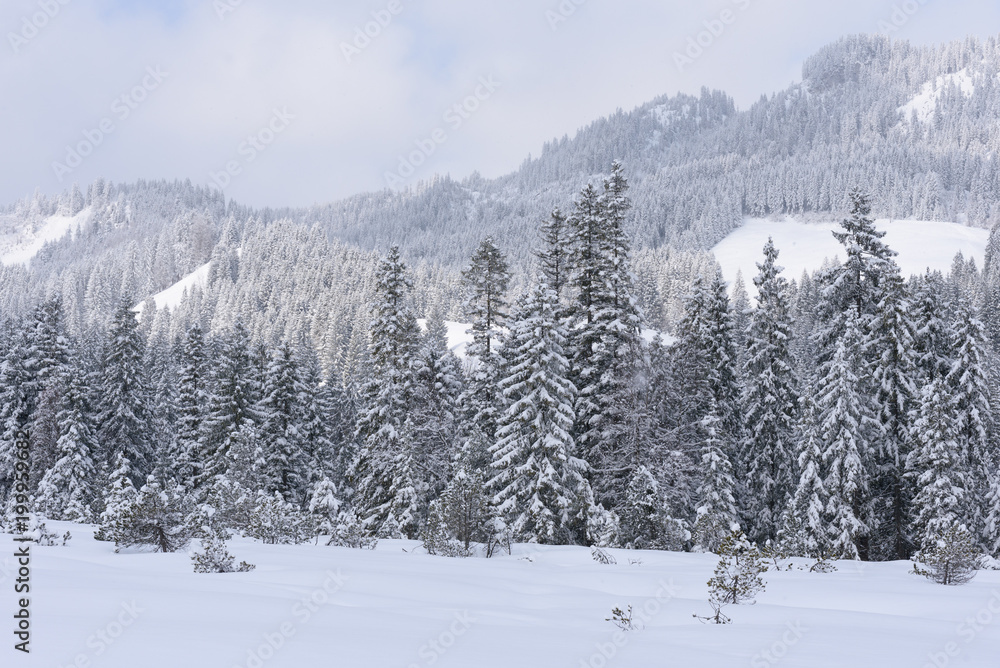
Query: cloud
x,y
232,63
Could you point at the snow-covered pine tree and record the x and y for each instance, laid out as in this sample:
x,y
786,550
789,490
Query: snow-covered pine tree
x,y
15,406
231,418
281,433
555,256
118,500
845,428
192,406
324,507
937,467
968,384
717,515
67,489
485,283
158,517
770,403
893,371
383,473
806,530
124,411
539,481
607,350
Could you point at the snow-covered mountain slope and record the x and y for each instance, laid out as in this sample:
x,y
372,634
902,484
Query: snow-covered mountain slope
x,y
396,607
172,296
804,246
925,103
20,245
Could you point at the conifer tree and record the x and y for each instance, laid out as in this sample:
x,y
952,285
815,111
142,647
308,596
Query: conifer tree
x,y
124,411
845,425
192,405
937,467
717,516
383,473
485,283
281,433
769,403
67,489
118,500
806,530
539,481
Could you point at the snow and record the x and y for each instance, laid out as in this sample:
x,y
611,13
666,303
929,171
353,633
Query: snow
x,y
544,606
804,246
459,336
926,100
172,296
20,247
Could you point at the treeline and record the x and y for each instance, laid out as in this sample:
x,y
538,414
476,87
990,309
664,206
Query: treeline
x,y
850,414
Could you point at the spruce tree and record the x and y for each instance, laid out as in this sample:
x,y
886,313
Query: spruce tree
x,y
383,473
806,530
282,431
936,466
769,403
192,406
539,481
717,516
124,414
845,426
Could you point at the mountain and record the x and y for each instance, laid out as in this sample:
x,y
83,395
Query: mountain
x,y
914,125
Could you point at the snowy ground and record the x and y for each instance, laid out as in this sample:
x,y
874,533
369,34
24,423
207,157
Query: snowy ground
x,y
804,246
541,607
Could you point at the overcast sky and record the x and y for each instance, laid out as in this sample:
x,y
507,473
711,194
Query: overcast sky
x,y
130,89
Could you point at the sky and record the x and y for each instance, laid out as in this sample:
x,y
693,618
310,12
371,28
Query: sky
x,y
298,102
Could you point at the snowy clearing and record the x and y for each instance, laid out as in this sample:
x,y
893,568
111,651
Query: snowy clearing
x,y
926,101
804,246
171,297
21,247
544,606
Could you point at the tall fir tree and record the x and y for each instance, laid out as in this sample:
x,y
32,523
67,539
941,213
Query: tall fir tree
x,y
539,481
383,472
770,403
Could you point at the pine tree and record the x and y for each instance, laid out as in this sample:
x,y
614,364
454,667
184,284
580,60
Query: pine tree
x,y
936,467
282,431
970,389
118,501
539,481
157,517
555,257
717,516
383,472
844,428
485,283
231,417
769,403
806,530
192,406
67,489
607,350
893,373
124,411
991,531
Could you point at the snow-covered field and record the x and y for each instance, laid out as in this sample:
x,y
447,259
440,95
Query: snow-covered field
x,y
804,246
313,605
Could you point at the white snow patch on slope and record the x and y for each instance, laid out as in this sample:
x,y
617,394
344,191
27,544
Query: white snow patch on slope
x,y
172,296
541,606
804,246
21,247
926,100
